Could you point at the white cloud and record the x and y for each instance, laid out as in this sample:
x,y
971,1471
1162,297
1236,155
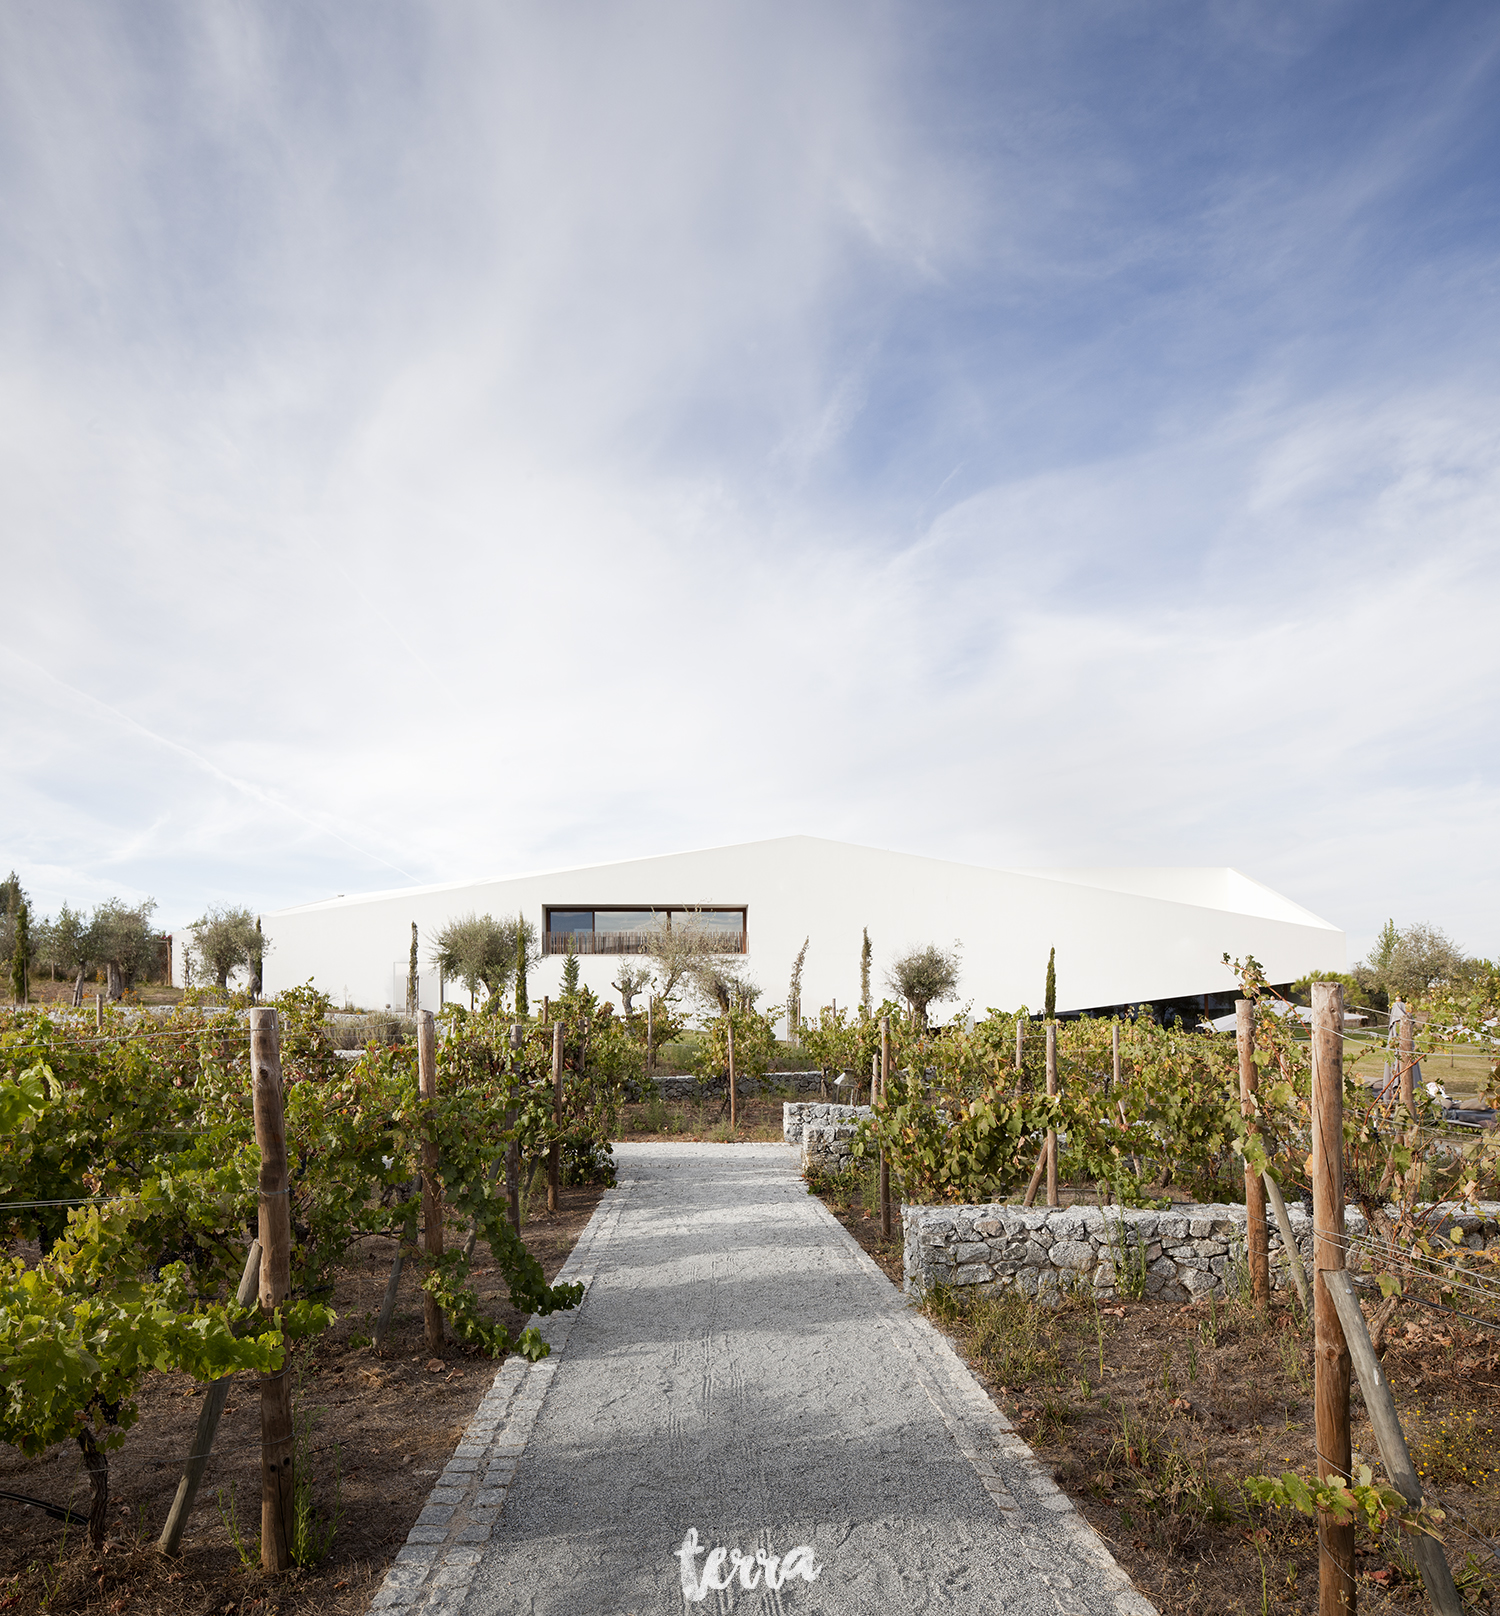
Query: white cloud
x,y
486,439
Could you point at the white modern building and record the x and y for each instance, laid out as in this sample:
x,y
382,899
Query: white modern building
x,y
1123,936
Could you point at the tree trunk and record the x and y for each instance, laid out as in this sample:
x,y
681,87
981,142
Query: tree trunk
x,y
97,1465
78,989
114,983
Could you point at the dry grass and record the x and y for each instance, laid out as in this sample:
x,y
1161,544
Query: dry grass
x,y
1152,1415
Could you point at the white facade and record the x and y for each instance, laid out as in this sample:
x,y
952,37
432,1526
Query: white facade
x,y
1122,935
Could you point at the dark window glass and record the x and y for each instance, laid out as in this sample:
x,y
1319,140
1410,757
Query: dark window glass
x,y
628,919
570,920
710,919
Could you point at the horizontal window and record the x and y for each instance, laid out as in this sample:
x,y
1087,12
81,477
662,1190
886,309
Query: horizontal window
x,y
629,931
612,920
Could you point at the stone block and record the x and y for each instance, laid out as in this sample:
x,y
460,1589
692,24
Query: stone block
x,y
1073,1254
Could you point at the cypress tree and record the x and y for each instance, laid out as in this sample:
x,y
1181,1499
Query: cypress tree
x,y
20,982
866,953
522,1009
257,957
1050,1011
412,974
570,972
794,992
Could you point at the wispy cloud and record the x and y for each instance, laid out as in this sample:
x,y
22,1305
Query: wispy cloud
x,y
464,438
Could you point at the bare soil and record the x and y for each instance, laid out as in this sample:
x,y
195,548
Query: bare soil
x,y
757,1121
381,1430
1152,1415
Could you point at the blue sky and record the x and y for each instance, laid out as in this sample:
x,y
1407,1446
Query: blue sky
x,y
459,439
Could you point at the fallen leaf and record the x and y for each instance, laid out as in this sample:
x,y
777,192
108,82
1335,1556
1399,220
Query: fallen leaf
x,y
434,1366
1114,1312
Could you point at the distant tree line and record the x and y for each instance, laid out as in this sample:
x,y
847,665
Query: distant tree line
x,y
1410,963
116,940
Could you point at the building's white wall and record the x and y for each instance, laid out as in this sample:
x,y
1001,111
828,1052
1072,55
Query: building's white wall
x,y
1115,943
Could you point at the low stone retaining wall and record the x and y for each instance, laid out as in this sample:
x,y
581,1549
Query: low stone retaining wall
x,y
824,1131
1185,1252
799,1114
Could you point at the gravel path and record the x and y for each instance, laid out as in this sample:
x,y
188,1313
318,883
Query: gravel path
x,y
743,1397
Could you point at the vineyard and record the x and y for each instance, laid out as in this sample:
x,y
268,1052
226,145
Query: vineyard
x,y
132,1186
1187,1432
133,1189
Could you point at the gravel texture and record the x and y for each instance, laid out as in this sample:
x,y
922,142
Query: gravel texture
x,y
741,1371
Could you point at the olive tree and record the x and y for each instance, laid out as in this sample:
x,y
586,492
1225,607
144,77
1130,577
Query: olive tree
x,y
226,941
122,941
478,951
923,976
67,943
630,980
1408,963
682,951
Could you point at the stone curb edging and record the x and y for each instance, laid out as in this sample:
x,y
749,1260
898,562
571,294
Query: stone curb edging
x,y
433,1570
988,1441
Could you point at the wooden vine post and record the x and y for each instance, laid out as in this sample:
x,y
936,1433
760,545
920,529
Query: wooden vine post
x,y
1425,1550
214,1399
1020,1052
432,1187
1257,1236
885,1166
277,1480
1330,1349
1052,1132
1114,1043
650,1035
1408,1059
512,1149
729,1047
554,1155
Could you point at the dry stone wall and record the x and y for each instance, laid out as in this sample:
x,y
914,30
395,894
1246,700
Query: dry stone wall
x,y
825,1133
685,1086
1177,1255
799,1114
